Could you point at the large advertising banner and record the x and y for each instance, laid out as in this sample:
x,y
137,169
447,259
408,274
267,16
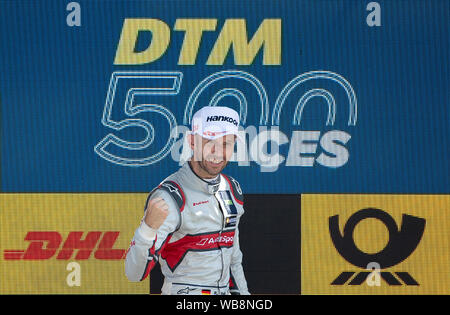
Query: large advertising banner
x,y
344,112
56,243
333,96
375,244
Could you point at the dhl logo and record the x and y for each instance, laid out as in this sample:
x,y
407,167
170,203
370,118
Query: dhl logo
x,y
46,244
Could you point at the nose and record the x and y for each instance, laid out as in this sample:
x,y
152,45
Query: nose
x,y
215,149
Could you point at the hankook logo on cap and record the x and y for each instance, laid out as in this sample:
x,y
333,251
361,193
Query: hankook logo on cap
x,y
222,118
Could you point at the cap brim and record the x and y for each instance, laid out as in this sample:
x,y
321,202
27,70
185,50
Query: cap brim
x,y
216,135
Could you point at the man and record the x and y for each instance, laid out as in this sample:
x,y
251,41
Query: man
x,y
191,219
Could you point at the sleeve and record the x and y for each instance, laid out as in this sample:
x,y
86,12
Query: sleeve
x,y
238,284
142,255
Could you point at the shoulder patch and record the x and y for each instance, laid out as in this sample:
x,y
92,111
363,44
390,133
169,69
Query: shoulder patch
x,y
174,190
235,189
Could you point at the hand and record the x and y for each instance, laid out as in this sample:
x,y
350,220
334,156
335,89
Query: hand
x,y
156,213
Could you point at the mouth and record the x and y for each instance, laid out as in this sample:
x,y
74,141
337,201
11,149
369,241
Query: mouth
x,y
214,162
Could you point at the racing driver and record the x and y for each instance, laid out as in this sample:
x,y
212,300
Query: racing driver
x,y
191,218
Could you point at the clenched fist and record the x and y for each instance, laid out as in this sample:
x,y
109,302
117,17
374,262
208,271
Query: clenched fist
x,y
156,212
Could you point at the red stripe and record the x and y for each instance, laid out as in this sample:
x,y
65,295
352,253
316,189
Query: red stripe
x,y
182,195
181,191
148,268
154,253
150,264
13,254
174,252
232,190
152,250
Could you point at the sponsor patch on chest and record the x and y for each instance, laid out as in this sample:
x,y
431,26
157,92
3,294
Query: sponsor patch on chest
x,y
228,208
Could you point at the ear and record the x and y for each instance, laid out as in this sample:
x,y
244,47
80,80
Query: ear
x,y
190,139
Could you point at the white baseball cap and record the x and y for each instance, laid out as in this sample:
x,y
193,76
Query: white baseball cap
x,y
212,122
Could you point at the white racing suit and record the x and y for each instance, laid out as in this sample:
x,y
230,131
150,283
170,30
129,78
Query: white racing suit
x,y
197,246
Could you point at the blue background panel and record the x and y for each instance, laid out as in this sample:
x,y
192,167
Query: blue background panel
x,y
54,81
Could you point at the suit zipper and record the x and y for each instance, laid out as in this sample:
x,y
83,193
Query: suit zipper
x,y
218,244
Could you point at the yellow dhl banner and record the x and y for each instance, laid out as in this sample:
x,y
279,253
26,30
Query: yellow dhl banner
x,y
63,243
375,244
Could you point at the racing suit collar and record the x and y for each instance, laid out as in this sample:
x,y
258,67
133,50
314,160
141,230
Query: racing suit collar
x,y
198,183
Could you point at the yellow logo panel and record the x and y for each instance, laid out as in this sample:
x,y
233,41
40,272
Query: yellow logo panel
x,y
375,244
61,243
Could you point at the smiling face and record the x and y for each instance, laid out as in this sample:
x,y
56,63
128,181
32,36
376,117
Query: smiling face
x,y
211,156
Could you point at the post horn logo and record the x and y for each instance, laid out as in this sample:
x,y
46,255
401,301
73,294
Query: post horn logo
x,y
400,246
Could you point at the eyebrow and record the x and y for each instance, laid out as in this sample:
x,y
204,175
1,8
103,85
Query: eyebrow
x,y
229,141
